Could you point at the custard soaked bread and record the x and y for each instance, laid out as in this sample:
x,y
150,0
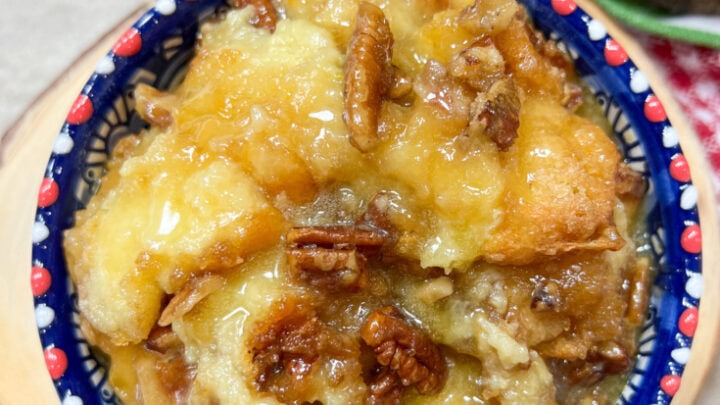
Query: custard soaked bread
x,y
387,202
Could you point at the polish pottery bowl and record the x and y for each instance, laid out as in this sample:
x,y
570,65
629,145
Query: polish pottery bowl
x,y
156,51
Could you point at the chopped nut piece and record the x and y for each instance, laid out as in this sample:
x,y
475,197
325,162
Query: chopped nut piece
x,y
613,356
405,350
485,17
629,183
572,96
148,103
266,16
402,87
496,113
376,218
162,339
435,289
164,378
329,268
194,291
549,49
287,346
479,65
435,86
368,75
546,297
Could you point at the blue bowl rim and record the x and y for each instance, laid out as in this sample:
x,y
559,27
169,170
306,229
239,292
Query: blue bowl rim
x,y
586,36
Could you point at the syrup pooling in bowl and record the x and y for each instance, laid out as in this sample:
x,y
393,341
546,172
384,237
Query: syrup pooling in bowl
x,y
469,236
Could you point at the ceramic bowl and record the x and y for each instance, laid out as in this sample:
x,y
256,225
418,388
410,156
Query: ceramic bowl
x,y
156,50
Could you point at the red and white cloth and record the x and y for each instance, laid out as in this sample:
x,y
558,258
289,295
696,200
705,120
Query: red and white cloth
x,y
693,74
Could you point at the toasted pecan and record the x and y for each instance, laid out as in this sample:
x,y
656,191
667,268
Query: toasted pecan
x,y
337,237
629,184
496,114
479,65
287,346
343,269
266,15
368,75
405,350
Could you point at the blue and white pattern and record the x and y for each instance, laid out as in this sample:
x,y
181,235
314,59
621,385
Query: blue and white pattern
x,y
165,45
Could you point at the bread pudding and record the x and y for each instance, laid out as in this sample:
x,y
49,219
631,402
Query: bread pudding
x,y
347,202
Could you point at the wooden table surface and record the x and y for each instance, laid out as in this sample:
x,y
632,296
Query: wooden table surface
x,y
26,147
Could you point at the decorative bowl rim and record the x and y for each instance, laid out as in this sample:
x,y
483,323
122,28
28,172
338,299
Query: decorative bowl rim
x,y
78,377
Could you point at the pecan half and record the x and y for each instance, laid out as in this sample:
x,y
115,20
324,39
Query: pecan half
x,y
403,350
335,257
194,291
368,75
496,114
288,345
386,388
329,257
266,15
336,237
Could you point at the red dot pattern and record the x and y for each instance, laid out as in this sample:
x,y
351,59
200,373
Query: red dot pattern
x,y
691,239
129,43
40,280
615,55
81,111
654,110
670,384
48,193
680,169
688,322
564,7
56,362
